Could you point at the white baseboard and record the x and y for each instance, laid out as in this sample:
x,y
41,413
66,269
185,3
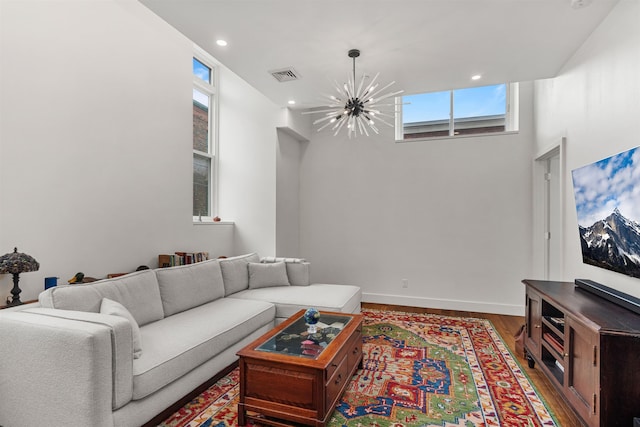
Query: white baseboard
x,y
444,304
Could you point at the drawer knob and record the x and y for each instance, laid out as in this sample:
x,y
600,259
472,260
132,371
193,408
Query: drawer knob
x,y
338,379
356,350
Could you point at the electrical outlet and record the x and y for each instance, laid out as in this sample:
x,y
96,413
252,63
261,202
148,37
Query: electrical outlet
x,y
405,283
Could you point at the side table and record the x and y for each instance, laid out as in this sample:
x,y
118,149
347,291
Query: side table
x,y
25,302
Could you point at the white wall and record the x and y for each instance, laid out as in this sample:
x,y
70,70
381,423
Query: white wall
x,y
452,216
95,143
595,103
248,144
95,165
289,153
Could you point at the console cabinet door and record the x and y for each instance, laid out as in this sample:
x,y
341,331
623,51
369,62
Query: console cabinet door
x,y
534,323
582,371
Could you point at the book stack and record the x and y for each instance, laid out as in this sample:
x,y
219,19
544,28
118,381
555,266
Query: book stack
x,y
558,322
181,258
553,342
311,348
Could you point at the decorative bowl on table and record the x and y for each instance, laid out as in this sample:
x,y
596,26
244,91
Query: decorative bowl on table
x,y
311,317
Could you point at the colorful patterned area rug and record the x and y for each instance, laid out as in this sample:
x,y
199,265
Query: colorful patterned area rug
x,y
418,370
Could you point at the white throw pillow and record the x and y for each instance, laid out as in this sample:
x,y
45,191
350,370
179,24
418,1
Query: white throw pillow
x,y
267,275
235,272
116,309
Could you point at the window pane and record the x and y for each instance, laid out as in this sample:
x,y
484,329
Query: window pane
x,y
425,107
426,114
201,71
200,121
201,174
480,109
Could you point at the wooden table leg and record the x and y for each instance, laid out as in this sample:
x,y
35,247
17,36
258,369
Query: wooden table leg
x,y
241,415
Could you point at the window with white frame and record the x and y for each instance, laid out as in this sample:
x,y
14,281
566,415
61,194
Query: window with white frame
x,y
204,138
468,111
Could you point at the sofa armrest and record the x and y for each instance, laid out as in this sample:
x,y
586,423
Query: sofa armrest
x,y
62,367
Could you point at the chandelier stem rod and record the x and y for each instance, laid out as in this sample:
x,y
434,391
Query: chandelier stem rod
x,y
354,72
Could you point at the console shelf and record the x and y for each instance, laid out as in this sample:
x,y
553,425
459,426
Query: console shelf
x,y
588,347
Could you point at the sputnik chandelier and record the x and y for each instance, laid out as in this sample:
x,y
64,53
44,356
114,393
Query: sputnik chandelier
x,y
357,108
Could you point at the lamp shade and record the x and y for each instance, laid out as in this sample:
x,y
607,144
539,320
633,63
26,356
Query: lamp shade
x,y
16,263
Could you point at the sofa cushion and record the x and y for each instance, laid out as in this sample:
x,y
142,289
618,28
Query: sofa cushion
x,y
235,272
138,292
116,309
298,273
177,344
290,299
188,286
297,269
267,275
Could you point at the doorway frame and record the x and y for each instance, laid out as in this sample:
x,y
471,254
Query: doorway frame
x,y
541,206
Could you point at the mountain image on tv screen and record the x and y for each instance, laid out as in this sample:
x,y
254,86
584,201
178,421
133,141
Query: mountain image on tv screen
x,y
607,195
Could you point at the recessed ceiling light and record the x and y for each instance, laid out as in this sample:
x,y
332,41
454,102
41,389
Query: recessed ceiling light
x,y
476,77
292,102
221,42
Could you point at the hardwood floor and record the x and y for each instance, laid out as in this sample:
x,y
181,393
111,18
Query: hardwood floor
x,y
506,326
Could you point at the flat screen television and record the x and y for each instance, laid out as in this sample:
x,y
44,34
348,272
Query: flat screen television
x,y
607,195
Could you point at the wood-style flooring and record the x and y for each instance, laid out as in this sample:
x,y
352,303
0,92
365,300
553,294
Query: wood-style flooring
x,y
506,326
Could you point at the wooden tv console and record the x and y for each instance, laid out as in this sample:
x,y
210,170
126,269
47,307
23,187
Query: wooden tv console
x,y
588,347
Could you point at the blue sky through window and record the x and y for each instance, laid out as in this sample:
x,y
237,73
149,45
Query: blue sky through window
x,y
470,102
201,71
426,107
201,98
479,101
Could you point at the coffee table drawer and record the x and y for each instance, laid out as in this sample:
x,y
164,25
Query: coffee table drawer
x,y
337,381
355,349
335,363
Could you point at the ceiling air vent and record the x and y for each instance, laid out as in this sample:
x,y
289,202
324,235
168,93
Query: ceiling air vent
x,y
285,74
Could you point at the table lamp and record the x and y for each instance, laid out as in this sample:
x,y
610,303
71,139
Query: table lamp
x,y
16,263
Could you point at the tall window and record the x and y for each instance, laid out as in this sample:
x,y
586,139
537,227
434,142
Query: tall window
x,y
477,110
204,139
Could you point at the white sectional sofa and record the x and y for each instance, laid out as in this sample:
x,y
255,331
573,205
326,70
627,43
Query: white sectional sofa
x,y
119,351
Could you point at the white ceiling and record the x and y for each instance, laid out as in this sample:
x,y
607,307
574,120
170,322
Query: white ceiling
x,y
422,45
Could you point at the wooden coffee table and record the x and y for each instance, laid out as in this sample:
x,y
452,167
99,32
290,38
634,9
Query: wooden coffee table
x,y
291,375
